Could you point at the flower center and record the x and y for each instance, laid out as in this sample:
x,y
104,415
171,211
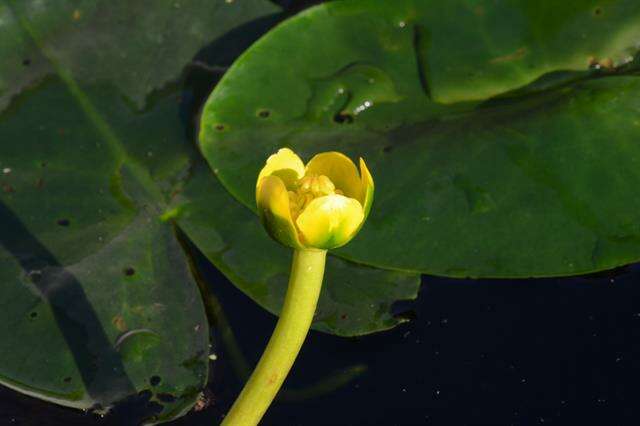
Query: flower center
x,y
307,189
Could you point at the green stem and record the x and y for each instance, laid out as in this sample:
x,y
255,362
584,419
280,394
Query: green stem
x,y
285,343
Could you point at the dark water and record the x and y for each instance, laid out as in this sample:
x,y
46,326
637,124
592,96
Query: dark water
x,y
478,352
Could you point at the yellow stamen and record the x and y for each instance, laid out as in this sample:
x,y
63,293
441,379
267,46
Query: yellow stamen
x,y
307,189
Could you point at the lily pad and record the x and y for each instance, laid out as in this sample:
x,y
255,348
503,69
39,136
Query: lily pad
x,y
98,302
501,135
97,298
355,299
137,46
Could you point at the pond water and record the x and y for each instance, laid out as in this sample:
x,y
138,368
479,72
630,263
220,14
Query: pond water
x,y
475,352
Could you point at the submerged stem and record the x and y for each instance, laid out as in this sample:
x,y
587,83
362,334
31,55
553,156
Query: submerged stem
x,y
300,302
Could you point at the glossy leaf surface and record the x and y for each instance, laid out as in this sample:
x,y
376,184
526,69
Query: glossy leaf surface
x,y
98,302
138,47
501,135
97,294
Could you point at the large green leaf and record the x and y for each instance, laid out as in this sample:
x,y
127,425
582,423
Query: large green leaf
x,y
136,46
97,297
355,299
98,302
502,135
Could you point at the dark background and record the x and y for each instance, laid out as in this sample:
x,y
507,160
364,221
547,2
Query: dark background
x,y
476,352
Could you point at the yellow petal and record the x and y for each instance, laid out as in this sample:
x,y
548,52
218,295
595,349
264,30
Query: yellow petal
x,y
340,169
330,221
286,165
272,200
367,187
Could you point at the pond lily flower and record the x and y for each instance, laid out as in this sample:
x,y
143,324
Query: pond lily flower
x,y
311,209
318,206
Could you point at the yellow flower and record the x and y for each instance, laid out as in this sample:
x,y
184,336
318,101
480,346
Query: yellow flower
x,y
322,205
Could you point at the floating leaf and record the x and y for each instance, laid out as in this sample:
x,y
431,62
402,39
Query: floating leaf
x,y
98,302
136,46
97,295
502,136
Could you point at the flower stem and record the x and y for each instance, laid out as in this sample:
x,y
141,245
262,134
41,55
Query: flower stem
x,y
300,302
